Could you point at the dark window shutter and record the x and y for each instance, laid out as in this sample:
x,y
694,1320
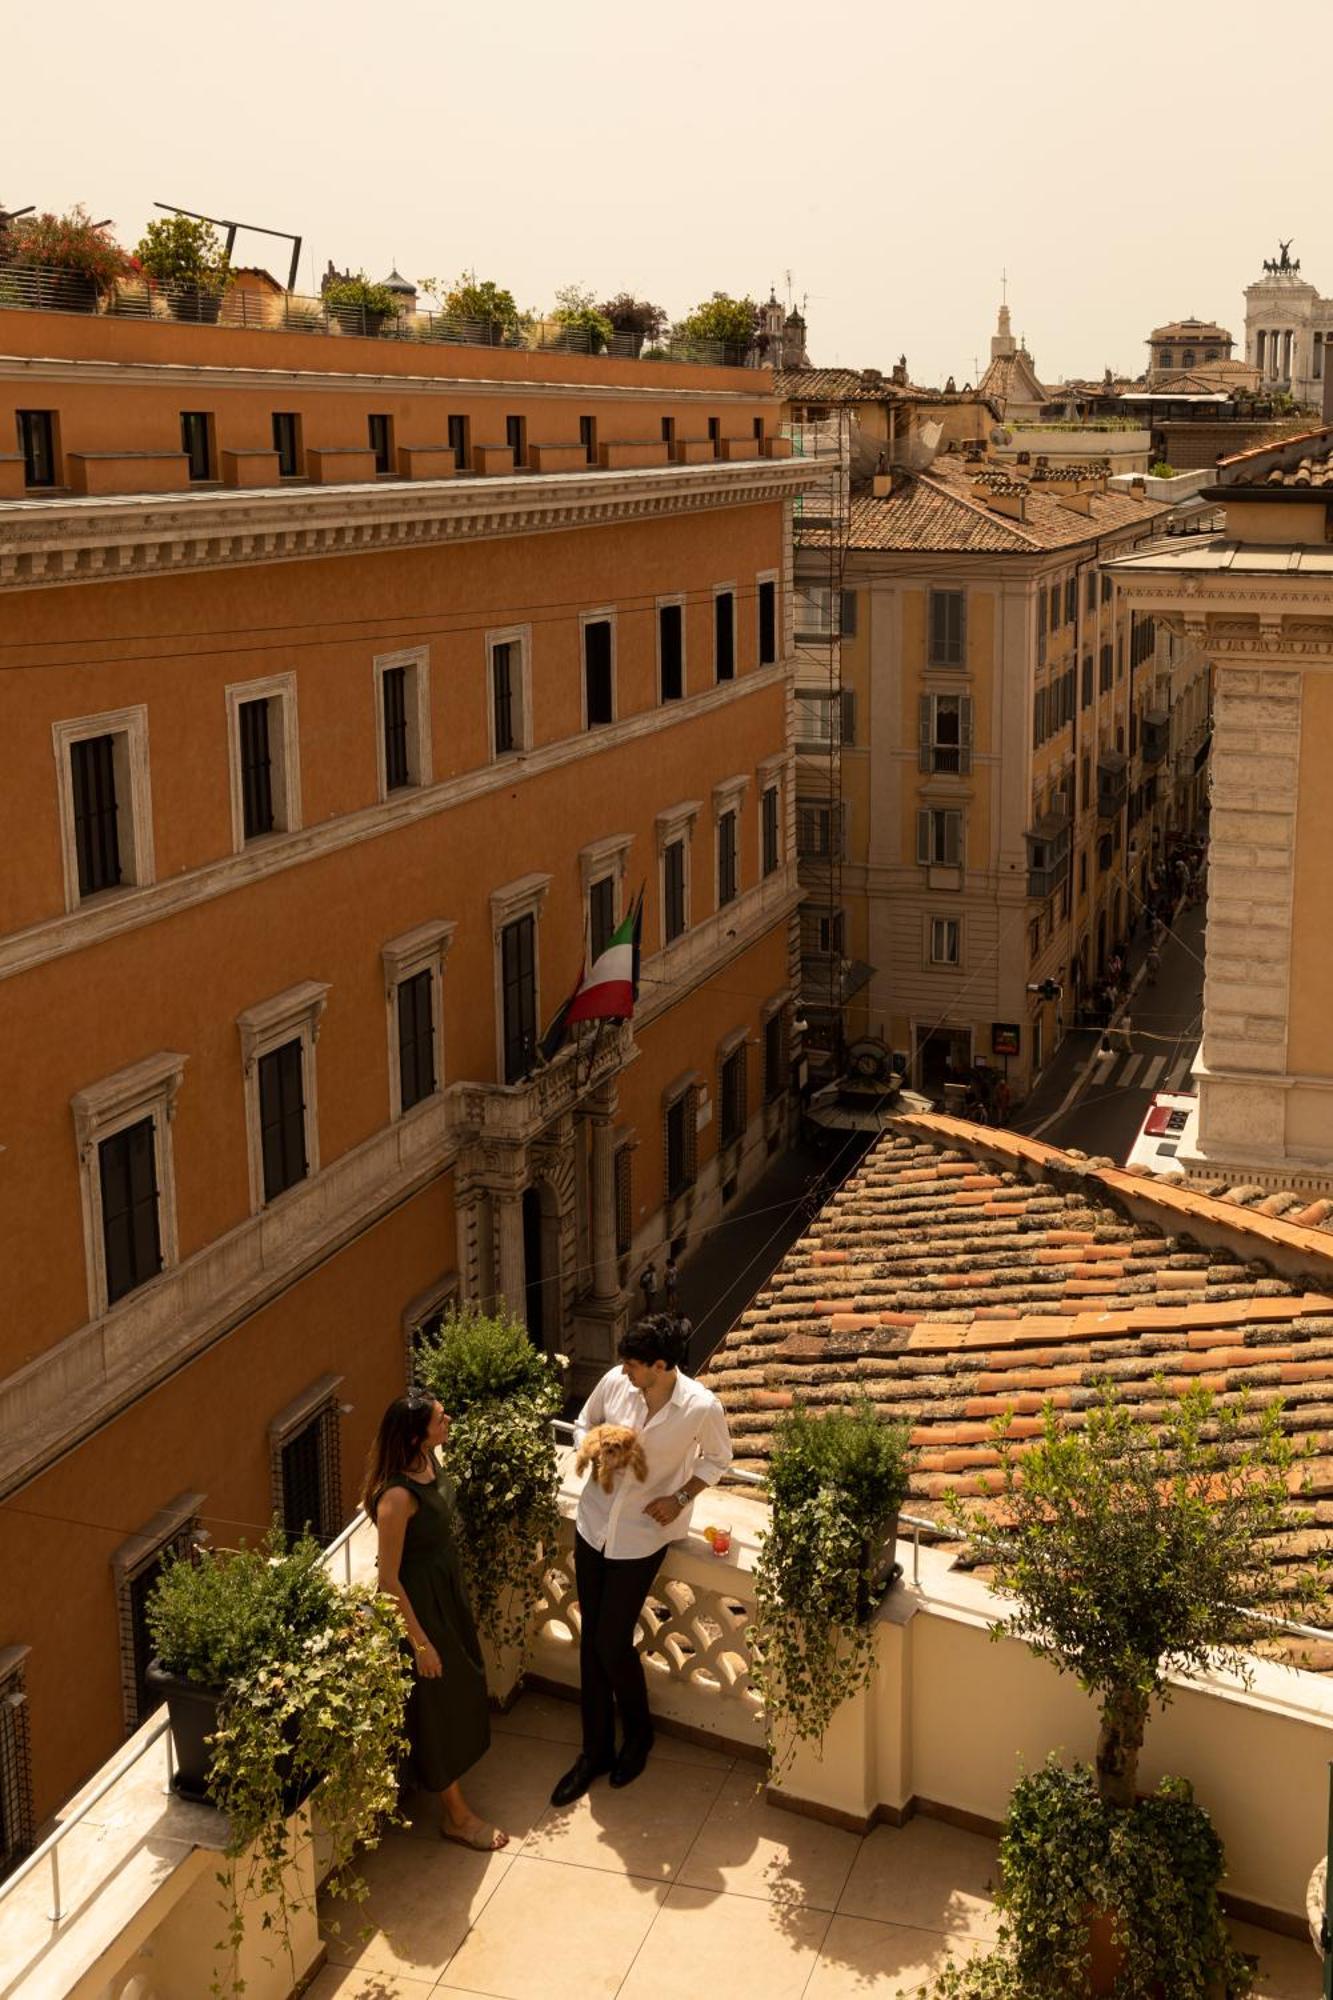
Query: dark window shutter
x,y
503,694
597,671
518,968
770,818
848,622
416,1038
396,771
127,1168
256,769
601,915
96,828
768,623
282,1118
670,628
724,635
849,715
673,868
726,859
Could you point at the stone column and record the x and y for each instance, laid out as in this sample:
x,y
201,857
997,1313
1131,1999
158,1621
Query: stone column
x,y
511,1267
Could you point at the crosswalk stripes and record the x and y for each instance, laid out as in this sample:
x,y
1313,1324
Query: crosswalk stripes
x,y
1152,1076
1124,1074
1128,1070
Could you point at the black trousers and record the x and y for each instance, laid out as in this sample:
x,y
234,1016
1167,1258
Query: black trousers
x,y
611,1596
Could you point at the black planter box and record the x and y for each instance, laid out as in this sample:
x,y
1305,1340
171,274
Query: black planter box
x,y
192,1710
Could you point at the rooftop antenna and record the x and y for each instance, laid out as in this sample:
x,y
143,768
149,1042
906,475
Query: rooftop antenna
x,y
220,222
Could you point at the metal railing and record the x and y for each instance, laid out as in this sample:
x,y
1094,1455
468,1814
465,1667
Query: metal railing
x,y
49,1850
41,289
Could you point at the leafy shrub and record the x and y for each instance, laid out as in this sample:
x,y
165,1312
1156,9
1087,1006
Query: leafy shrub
x,y
729,322
183,250
358,291
230,1610
70,242
484,1358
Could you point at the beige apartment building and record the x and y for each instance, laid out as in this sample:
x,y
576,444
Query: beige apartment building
x,y
1004,723
1256,598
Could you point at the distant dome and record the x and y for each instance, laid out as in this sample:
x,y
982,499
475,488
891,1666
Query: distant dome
x,y
396,282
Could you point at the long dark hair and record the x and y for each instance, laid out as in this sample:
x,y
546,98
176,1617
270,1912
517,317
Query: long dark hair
x,y
655,1337
398,1443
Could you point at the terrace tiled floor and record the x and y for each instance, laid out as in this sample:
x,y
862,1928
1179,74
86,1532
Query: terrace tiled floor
x,y
684,1883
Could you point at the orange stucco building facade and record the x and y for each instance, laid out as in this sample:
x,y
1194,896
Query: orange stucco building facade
x,y
333,746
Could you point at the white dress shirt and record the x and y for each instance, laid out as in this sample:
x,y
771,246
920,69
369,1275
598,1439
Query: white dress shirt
x,y
686,1439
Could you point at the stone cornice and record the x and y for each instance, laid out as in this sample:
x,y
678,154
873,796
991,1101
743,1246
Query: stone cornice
x,y
106,917
179,374
52,542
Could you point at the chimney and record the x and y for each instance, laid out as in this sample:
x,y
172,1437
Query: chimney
x,y
1010,500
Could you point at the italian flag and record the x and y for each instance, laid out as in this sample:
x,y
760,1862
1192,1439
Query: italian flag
x,y
609,990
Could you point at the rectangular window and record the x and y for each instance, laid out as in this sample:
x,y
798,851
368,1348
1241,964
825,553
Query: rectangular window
x,y
1106,662
282,1118
256,769
946,733
1055,607
944,940
17,1822
588,438
1090,592
96,814
939,837
673,890
460,442
724,635
671,650
726,859
601,916
1087,680
393,683
416,1038
769,828
597,676
287,443
624,1169
819,830
715,435
518,985
768,620
308,1476
817,718
1071,599
196,442
36,440
732,1093
380,429
516,437
847,614
682,1125
131,1238
947,628
506,696
136,1566
669,435
1108,585
775,1065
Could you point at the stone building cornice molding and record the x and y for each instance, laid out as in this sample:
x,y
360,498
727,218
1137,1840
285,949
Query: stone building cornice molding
x,y
47,543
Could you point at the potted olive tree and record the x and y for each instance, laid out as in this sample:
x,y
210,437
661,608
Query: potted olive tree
x,y
181,255
278,1682
76,262
1135,1554
836,1481
501,1393
358,305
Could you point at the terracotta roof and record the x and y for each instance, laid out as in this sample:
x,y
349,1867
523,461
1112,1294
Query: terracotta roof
x,y
961,1273
945,509
1012,375
857,385
1191,329
1299,461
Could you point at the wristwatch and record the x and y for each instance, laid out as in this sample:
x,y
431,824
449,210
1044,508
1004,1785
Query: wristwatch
x,y
683,1498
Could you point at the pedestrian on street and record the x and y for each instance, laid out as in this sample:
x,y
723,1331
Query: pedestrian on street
x,y
1153,963
1122,1033
648,1285
669,1278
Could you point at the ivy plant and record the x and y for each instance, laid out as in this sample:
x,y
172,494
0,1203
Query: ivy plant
x,y
836,1481
501,1393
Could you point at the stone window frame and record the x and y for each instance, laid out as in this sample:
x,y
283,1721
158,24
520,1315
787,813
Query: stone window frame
x,y
446,1291
930,962
690,1083
734,1043
279,688
175,1526
671,824
294,1014
17,1813
321,1403
523,897
134,798
425,948
728,797
420,763
601,861
603,615
148,1088
508,635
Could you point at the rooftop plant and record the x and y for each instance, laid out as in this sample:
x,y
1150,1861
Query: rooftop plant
x,y
69,242
183,250
359,290
635,316
469,297
731,323
576,311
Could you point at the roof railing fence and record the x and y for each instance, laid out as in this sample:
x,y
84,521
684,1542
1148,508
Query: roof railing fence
x,y
42,289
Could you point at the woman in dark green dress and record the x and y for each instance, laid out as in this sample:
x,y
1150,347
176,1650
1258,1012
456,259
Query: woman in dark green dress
x,y
410,1500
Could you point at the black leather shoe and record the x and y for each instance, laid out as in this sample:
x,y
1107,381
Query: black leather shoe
x,y
577,1780
630,1762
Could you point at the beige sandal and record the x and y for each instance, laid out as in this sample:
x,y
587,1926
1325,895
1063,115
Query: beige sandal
x,y
485,1840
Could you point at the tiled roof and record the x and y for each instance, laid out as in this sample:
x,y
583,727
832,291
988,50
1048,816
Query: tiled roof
x,y
945,509
856,385
1011,376
1303,460
1190,329
961,1273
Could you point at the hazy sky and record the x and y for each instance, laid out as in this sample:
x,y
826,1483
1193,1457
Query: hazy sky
x,y
1126,162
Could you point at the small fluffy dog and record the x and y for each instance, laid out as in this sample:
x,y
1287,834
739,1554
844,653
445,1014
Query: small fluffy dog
x,y
609,1449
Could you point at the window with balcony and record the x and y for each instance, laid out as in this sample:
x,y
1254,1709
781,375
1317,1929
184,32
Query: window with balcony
x,y
265,770
37,443
947,628
724,635
380,431
518,996
287,443
939,837
945,729
459,430
106,831
598,672
671,650
588,438
197,442
305,1463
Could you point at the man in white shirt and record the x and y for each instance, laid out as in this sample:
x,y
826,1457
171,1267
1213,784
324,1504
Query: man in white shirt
x,y
620,1538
